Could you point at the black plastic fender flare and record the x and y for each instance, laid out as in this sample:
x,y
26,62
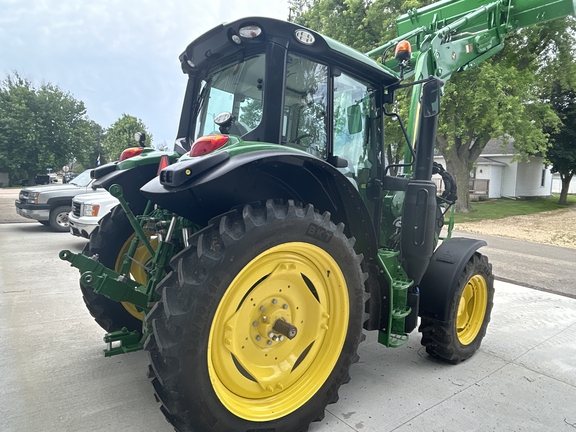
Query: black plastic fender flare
x,y
438,285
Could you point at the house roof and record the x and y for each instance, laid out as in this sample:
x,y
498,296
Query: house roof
x,y
498,146
488,161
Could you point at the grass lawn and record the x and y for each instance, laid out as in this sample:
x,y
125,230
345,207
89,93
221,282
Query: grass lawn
x,y
501,208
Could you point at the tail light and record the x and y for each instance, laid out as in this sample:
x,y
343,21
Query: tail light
x,y
208,144
131,152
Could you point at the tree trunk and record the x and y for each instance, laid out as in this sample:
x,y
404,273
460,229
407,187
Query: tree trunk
x,y
565,186
461,174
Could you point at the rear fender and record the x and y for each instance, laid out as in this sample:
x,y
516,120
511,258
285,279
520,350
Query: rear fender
x,y
131,181
201,188
438,285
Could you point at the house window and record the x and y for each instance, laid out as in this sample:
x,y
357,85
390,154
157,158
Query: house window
x,y
543,179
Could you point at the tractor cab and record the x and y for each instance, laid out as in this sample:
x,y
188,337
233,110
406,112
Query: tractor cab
x,y
279,83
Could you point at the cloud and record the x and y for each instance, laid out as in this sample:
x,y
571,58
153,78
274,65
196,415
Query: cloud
x,y
118,56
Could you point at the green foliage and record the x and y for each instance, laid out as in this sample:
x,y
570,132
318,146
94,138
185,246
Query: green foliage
x,y
41,127
120,136
558,72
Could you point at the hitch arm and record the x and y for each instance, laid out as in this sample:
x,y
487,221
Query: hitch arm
x,y
107,282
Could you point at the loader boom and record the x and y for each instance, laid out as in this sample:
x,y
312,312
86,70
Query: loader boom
x,y
455,35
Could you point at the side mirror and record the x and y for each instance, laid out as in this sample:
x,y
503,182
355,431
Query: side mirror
x,y
354,114
431,98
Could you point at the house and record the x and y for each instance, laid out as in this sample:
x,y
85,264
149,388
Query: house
x,y
496,174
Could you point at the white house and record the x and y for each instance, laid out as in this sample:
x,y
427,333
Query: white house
x,y
557,184
497,175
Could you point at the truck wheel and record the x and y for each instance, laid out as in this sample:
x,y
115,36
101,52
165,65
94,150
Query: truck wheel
x,y
469,314
258,323
59,219
111,240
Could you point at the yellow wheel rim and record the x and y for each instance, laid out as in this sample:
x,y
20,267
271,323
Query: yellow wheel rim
x,y
137,273
258,373
471,309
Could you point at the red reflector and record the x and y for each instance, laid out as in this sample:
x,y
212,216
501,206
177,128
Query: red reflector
x,y
131,152
164,162
208,144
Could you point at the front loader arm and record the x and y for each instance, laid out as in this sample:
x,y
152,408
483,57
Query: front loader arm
x,y
455,35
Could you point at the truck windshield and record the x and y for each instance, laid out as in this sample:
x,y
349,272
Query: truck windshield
x,y
82,180
237,88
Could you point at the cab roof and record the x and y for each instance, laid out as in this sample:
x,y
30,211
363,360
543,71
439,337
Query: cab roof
x,y
224,41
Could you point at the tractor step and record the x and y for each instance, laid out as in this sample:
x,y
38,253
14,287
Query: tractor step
x,y
122,342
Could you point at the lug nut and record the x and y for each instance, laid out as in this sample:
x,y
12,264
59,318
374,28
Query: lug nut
x,y
262,308
274,301
255,323
258,337
285,306
271,335
264,318
269,342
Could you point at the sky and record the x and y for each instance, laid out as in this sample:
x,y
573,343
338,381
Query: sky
x,y
117,56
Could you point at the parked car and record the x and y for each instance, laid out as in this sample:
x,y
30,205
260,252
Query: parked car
x,y
88,209
69,176
51,204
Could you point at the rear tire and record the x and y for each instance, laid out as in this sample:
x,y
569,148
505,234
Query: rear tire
x,y
217,359
110,240
469,314
59,219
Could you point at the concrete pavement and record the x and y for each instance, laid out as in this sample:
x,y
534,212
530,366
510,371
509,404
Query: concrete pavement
x,y
53,376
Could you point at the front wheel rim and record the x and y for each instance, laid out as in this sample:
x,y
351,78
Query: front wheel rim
x,y
471,309
258,373
62,220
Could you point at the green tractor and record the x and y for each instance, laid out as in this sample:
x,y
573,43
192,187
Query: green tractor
x,y
249,261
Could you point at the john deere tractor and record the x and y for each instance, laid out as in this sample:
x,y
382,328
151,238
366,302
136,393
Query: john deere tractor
x,y
249,261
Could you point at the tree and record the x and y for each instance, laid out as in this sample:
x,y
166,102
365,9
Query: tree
x,y
562,153
120,136
40,127
490,101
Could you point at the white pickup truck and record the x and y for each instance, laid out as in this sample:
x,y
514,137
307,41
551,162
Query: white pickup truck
x,y
51,204
88,209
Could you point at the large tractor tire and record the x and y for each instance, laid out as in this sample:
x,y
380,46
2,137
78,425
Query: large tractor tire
x,y
258,323
111,240
469,314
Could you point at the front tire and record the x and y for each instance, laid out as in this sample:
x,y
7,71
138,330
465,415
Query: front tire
x,y
460,336
219,357
58,219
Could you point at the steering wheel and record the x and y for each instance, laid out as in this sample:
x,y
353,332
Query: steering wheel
x,y
301,137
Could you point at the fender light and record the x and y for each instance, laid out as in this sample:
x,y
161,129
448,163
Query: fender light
x,y
207,144
131,152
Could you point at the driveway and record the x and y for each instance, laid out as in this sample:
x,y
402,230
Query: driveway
x,y
54,377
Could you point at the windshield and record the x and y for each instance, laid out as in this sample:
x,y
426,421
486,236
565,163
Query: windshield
x,y
238,89
82,180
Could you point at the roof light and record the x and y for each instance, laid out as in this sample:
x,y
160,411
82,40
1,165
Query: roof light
x,y
250,32
208,144
236,39
130,152
304,37
164,162
403,51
